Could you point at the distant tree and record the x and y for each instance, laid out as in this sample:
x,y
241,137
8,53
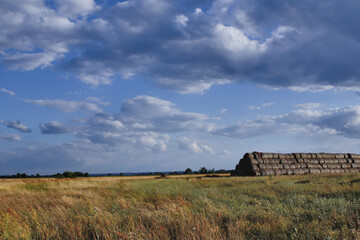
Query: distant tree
x,y
211,171
188,171
79,174
58,175
86,175
68,174
203,170
121,174
38,175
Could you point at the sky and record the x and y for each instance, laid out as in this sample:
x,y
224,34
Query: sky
x,y
159,85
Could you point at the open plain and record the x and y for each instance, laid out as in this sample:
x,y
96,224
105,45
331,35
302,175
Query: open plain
x,y
182,207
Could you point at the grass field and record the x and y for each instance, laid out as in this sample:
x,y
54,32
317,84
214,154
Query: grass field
x,y
282,207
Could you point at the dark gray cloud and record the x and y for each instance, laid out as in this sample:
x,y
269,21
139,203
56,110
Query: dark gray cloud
x,y
16,125
53,127
189,46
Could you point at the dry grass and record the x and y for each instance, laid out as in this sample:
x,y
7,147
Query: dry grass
x,y
188,207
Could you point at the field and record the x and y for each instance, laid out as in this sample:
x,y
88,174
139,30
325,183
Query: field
x,y
189,207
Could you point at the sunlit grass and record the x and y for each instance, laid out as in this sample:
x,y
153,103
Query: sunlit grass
x,y
281,207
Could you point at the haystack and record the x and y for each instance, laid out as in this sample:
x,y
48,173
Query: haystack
x,y
266,164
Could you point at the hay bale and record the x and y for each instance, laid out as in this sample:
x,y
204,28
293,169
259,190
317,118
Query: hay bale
x,y
305,155
266,160
255,167
292,166
339,155
286,166
275,166
297,165
267,155
303,165
334,166
262,166
328,161
327,155
355,165
300,160
267,172
299,171
344,160
345,165
354,156
314,170
266,164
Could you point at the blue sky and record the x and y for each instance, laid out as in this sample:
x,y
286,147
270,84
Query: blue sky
x,y
156,85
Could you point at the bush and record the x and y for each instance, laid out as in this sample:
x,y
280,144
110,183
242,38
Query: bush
x,y
188,171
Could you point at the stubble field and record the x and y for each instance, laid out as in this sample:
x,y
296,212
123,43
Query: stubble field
x,y
189,207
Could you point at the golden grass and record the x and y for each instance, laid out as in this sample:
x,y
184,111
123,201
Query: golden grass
x,y
182,207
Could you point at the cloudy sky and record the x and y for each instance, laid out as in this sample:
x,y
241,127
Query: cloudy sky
x,y
155,85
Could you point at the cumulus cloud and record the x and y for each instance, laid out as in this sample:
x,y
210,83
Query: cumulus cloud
x,y
143,122
193,146
187,50
334,121
16,125
53,127
155,114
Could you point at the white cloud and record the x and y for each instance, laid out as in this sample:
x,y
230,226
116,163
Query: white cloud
x,y
252,107
16,125
30,61
198,11
334,121
11,93
308,105
66,106
223,110
193,146
181,19
10,137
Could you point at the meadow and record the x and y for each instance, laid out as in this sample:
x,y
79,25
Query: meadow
x,y
186,207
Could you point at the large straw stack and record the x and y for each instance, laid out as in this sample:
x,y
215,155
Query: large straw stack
x,y
266,164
